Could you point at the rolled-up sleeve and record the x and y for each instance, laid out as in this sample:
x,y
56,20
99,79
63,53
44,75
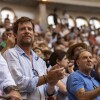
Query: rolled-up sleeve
x,y
32,84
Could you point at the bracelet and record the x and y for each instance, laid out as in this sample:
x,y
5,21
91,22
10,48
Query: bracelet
x,y
10,88
44,79
50,95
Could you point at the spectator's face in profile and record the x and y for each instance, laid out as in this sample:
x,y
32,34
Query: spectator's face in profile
x,y
10,33
7,23
64,62
5,36
85,61
38,52
25,33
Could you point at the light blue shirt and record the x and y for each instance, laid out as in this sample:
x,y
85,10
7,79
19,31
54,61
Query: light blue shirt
x,y
78,80
22,70
60,95
5,75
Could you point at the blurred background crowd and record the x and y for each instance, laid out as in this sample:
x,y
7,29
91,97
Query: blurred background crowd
x,y
62,28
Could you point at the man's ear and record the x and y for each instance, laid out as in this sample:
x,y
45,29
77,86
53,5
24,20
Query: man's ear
x,y
57,61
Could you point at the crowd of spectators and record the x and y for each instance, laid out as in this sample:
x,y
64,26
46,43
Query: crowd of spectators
x,y
53,47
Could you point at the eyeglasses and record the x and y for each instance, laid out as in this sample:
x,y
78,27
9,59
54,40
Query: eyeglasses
x,y
94,86
35,72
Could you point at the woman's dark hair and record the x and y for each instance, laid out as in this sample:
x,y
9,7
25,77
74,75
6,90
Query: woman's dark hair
x,y
58,54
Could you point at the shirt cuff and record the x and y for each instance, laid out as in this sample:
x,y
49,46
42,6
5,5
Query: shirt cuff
x,y
53,94
32,85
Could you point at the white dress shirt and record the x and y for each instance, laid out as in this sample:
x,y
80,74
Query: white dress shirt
x,y
25,73
5,75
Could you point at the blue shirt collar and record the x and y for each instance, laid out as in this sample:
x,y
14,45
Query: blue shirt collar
x,y
83,74
21,52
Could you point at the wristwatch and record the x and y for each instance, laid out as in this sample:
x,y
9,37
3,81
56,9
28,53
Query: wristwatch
x,y
10,88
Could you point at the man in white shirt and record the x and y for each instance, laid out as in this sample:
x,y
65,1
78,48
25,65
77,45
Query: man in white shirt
x,y
27,69
7,83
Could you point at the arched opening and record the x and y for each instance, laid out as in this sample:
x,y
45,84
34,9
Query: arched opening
x,y
51,20
81,21
94,23
71,22
7,12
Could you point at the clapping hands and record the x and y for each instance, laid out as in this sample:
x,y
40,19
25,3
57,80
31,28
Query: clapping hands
x,y
55,74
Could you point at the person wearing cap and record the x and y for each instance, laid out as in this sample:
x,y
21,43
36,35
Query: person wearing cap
x,y
80,84
74,48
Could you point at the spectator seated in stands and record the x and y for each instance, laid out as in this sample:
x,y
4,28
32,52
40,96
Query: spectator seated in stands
x,y
80,84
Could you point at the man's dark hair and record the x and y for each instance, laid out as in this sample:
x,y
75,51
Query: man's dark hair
x,y
21,20
9,29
